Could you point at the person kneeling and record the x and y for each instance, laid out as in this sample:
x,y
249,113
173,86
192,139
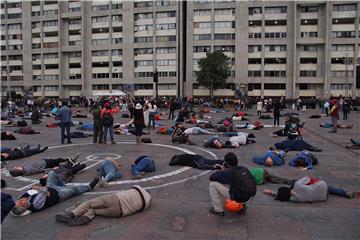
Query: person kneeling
x,y
232,182
118,204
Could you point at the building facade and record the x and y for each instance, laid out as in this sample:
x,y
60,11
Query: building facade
x,y
72,48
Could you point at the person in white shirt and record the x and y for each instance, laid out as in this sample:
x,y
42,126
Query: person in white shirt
x,y
259,107
152,111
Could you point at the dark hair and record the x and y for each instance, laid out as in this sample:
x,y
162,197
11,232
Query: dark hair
x,y
314,161
300,163
231,159
283,194
16,172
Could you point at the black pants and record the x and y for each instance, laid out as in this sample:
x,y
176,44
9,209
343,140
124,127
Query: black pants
x,y
276,120
50,163
345,115
171,114
98,131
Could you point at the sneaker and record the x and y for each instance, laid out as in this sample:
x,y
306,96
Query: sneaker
x,y
94,182
113,142
64,217
243,210
213,211
79,221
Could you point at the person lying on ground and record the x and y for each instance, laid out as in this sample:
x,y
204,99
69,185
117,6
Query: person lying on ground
x,y
78,134
26,130
197,131
292,128
310,190
5,135
216,142
205,125
354,145
262,176
20,152
241,139
109,170
252,126
296,145
179,135
304,160
271,158
232,182
234,134
114,205
39,198
20,123
195,161
142,165
165,131
329,125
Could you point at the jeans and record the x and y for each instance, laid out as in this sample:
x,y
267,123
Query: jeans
x,y
65,125
54,181
337,191
334,123
152,119
109,172
145,165
29,152
111,132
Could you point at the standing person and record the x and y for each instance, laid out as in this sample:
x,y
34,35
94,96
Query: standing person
x,y
171,108
232,182
326,107
138,121
107,120
98,127
259,107
298,104
346,109
334,113
64,115
152,111
276,111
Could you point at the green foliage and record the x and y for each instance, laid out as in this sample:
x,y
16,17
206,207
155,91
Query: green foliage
x,y
214,70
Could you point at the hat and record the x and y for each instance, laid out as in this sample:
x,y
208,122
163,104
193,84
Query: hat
x,y
283,194
233,206
138,106
106,105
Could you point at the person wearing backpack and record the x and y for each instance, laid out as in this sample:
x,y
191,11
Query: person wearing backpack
x,y
232,182
107,120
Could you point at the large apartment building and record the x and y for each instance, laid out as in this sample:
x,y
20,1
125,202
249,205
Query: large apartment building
x,y
73,48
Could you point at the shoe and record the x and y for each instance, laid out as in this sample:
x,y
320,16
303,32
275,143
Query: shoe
x,y
64,217
94,182
271,148
45,148
243,210
352,141
79,221
220,214
70,142
113,142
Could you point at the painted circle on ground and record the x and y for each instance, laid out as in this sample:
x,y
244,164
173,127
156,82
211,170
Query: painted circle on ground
x,y
178,171
103,156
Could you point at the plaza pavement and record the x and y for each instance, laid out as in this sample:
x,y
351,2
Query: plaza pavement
x,y
180,203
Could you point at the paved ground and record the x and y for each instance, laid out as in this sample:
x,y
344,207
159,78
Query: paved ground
x,y
181,201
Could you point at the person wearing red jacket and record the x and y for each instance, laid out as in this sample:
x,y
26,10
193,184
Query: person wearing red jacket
x,y
334,113
107,120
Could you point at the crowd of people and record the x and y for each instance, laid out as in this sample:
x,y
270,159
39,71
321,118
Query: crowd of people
x,y
231,186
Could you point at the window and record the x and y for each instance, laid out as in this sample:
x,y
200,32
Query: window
x,y
199,37
275,73
14,15
309,22
254,48
255,10
117,64
143,39
116,40
37,77
166,50
165,3
275,61
74,65
143,63
75,87
14,26
143,86
146,27
172,74
254,35
166,26
347,34
116,6
14,36
274,86
340,86
342,73
51,55
51,77
36,45
275,35
225,48
143,74
254,60
100,53
224,36
344,7
50,23
143,16
100,19
13,5
275,48
309,34
101,75
100,87
166,14
143,4
166,38
308,60
116,18
167,86
52,66
75,76
50,12
74,21
140,51
202,25
14,57
225,24
74,54
100,64
15,47
117,75
254,86
202,12
199,49
15,68
307,74
275,10
100,42
343,47
225,11
166,62
100,8
16,78
309,48
116,52
306,9
35,14
256,73
75,43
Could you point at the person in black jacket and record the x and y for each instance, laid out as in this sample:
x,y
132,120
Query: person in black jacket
x,y
232,182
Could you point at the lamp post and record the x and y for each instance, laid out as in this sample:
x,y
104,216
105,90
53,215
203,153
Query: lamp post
x,y
156,79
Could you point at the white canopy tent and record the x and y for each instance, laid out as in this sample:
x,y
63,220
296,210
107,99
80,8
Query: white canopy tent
x,y
109,93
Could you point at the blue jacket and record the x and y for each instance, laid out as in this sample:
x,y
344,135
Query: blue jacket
x,y
278,158
302,155
64,114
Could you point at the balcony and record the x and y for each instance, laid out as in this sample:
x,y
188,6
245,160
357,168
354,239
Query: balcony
x,y
117,69
202,30
100,59
224,30
308,67
74,59
116,58
275,55
36,72
255,29
50,7
100,25
16,73
341,67
275,67
144,57
14,10
100,70
74,37
309,15
74,26
51,61
343,27
148,33
74,70
15,62
51,72
275,16
254,67
341,54
254,55
36,62
171,56
36,30
144,69
202,18
275,29
166,20
51,29
344,14
308,54
50,39
257,16
308,28
224,18
165,32
36,40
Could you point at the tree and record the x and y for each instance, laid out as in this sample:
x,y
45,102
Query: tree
x,y
214,70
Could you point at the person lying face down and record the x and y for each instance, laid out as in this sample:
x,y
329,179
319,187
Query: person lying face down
x,y
5,135
309,189
271,158
304,160
114,205
296,145
195,161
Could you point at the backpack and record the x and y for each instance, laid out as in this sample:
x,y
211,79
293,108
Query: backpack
x,y
107,119
245,185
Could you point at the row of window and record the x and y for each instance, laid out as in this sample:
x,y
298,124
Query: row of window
x,y
114,18
106,7
220,11
106,41
106,75
150,74
268,35
147,27
267,48
217,36
162,62
157,3
219,24
170,38
150,15
45,13
268,10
